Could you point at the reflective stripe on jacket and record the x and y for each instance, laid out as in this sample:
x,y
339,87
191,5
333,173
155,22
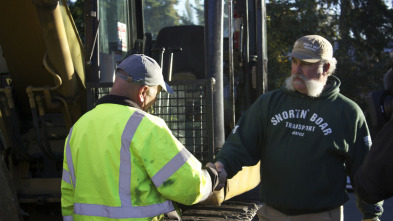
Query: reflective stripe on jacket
x,y
122,163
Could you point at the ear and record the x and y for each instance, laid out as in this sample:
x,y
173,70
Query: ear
x,y
326,68
142,92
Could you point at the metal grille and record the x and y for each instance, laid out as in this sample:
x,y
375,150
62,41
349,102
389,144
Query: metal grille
x,y
187,112
95,91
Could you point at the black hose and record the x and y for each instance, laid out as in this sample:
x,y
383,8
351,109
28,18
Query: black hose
x,y
38,135
20,150
47,145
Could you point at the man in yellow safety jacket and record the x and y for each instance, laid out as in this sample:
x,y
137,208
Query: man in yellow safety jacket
x,y
121,163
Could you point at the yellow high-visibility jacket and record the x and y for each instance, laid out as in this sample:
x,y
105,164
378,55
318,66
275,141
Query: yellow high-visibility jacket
x,y
121,163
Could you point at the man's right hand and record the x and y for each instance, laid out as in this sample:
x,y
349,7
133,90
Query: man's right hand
x,y
222,174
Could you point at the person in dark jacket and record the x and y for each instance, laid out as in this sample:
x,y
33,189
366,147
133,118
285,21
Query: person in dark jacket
x,y
374,179
307,136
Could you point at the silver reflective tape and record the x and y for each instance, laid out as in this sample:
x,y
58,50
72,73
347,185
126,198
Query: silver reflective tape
x,y
68,218
66,176
171,167
125,158
123,211
367,141
69,158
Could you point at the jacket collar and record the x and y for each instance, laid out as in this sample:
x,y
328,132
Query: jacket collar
x,y
116,99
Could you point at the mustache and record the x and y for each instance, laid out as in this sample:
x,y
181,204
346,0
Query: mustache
x,y
314,88
289,81
301,76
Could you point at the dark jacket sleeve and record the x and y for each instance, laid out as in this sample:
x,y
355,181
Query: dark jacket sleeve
x,y
243,146
374,179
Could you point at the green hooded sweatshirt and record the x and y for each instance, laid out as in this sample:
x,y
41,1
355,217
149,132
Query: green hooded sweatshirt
x,y
307,146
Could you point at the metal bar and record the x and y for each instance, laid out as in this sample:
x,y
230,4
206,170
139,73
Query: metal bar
x,y
261,47
170,62
214,69
160,52
91,23
93,43
231,67
246,55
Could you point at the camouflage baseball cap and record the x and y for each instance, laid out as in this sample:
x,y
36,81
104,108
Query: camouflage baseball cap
x,y
312,48
144,70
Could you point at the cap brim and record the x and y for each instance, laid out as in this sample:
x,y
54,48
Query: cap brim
x,y
167,88
304,57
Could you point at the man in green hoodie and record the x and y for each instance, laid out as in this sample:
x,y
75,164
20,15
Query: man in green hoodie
x,y
308,138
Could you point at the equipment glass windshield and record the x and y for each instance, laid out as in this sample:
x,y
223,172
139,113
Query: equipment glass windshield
x,y
160,14
113,35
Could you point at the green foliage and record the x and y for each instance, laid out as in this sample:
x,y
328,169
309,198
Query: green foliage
x,y
287,21
360,30
194,13
366,29
199,12
76,9
160,13
188,16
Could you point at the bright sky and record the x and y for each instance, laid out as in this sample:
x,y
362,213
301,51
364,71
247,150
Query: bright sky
x,y
180,7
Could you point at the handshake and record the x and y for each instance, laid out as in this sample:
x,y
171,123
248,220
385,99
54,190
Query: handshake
x,y
222,174
244,180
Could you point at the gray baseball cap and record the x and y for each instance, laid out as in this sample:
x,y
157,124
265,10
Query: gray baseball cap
x,y
312,48
144,70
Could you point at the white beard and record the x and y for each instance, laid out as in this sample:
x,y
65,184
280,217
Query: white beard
x,y
314,88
